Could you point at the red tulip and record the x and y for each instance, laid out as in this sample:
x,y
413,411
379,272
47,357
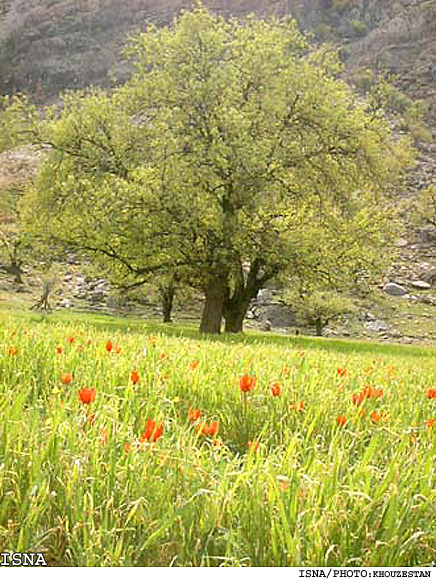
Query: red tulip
x,y
194,414
247,383
152,431
341,420
341,372
210,430
300,406
431,393
59,350
109,346
134,377
193,364
376,417
67,378
214,427
87,395
276,390
431,423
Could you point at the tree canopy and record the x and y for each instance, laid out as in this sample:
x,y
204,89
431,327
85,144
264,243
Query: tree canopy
x,y
233,155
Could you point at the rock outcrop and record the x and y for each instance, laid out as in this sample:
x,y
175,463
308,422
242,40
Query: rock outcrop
x,y
47,46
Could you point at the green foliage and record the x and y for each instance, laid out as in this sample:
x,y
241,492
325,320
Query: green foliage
x,y
385,97
228,155
422,209
318,308
358,27
17,115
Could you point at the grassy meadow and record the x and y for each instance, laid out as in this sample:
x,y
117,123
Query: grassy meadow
x,y
254,450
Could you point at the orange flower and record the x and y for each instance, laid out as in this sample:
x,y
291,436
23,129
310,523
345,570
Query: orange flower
x,y
152,431
109,346
367,393
162,356
341,372
376,417
210,430
117,349
193,364
253,446
213,428
294,406
371,393
134,377
194,414
431,393
358,398
12,351
247,383
59,350
276,390
431,423
341,420
70,339
67,378
87,395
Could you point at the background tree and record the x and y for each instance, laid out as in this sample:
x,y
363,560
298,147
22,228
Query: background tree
x,y
11,243
318,308
228,153
17,170
423,208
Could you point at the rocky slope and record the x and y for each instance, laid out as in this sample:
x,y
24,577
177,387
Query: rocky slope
x,y
50,45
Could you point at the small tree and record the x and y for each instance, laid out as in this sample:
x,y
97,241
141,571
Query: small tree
x,y
318,308
424,208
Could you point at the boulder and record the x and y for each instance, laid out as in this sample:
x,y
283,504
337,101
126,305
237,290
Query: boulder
x,y
419,284
377,326
429,275
279,315
393,289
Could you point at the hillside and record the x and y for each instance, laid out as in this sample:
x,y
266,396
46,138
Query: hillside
x,y
50,45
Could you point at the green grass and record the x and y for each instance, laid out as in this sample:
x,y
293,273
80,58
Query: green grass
x,y
315,493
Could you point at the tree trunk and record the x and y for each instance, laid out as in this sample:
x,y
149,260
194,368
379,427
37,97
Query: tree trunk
x,y
167,298
13,269
319,325
16,271
246,290
43,302
215,293
234,315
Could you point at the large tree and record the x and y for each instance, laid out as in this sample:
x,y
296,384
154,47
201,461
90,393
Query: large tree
x,y
229,153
